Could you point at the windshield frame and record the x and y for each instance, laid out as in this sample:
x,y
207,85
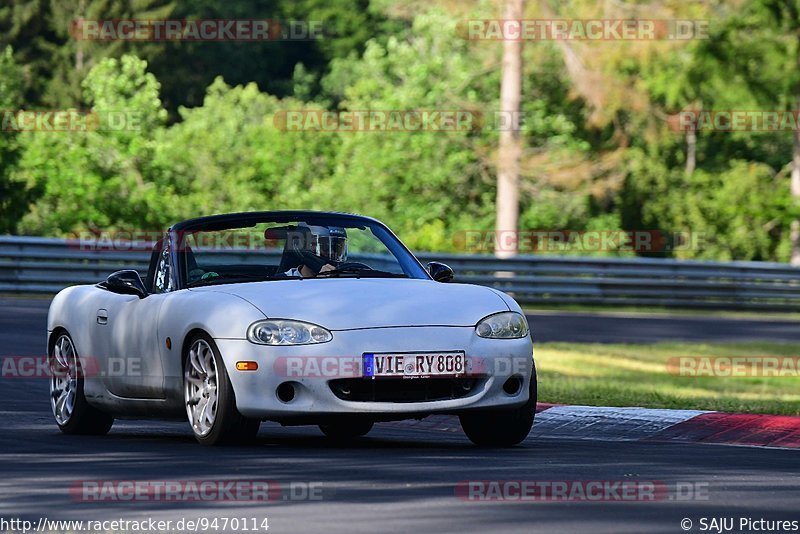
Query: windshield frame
x,y
408,262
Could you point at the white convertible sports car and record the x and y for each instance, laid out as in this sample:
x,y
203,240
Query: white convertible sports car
x,y
296,317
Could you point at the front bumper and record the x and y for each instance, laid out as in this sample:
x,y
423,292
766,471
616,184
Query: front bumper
x,y
493,362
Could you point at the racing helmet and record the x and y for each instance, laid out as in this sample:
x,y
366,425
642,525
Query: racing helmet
x,y
326,242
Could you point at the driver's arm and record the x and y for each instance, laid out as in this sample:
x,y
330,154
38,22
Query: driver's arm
x,y
307,272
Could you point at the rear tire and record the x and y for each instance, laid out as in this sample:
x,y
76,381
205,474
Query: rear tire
x,y
210,400
347,429
73,414
501,428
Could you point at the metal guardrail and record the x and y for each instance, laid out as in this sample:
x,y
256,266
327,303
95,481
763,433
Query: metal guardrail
x,y
47,265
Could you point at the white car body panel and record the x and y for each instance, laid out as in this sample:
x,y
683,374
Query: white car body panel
x,y
256,391
349,303
365,315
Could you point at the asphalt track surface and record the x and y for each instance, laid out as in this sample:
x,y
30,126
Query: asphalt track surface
x,y
398,479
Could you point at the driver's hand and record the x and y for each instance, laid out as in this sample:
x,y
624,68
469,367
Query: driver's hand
x,y
308,272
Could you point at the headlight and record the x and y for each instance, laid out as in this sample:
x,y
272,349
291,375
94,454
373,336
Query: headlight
x,y
503,325
284,332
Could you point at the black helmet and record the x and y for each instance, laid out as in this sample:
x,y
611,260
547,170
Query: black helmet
x,y
326,242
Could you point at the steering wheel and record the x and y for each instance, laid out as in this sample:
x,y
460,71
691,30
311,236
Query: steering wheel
x,y
353,265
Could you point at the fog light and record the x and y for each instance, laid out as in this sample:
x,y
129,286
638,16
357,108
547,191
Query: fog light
x,y
513,385
285,392
246,366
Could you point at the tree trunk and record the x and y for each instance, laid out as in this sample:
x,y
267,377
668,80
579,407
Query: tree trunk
x,y
510,149
794,229
79,42
691,151
795,188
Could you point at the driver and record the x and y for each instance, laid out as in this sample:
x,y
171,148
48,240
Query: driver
x,y
318,248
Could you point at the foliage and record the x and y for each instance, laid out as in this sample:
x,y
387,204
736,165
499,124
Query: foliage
x,y
599,150
12,194
99,179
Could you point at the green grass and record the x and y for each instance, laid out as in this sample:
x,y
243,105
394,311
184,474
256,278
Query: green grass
x,y
637,375
668,312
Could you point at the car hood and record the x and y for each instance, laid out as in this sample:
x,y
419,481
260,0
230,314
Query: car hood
x,y
353,303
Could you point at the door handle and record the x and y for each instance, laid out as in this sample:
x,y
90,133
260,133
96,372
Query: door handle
x,y
102,316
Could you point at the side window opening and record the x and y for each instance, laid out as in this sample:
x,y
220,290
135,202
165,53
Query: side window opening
x,y
162,276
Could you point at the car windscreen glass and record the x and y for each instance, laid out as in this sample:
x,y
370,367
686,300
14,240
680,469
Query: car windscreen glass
x,y
313,247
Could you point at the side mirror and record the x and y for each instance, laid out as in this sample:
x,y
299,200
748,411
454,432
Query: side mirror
x,y
126,282
440,272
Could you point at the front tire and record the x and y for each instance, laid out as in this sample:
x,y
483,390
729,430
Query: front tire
x,y
72,412
501,428
210,400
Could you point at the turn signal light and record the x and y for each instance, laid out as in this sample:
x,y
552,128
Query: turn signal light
x,y
246,366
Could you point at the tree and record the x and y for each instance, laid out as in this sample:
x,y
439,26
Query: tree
x,y
186,69
427,184
749,62
100,179
239,160
13,200
44,40
510,149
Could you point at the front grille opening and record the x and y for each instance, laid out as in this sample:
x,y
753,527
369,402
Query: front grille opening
x,y
402,389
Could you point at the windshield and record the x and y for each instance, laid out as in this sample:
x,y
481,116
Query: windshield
x,y
319,246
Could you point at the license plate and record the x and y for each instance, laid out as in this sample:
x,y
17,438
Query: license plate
x,y
415,365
